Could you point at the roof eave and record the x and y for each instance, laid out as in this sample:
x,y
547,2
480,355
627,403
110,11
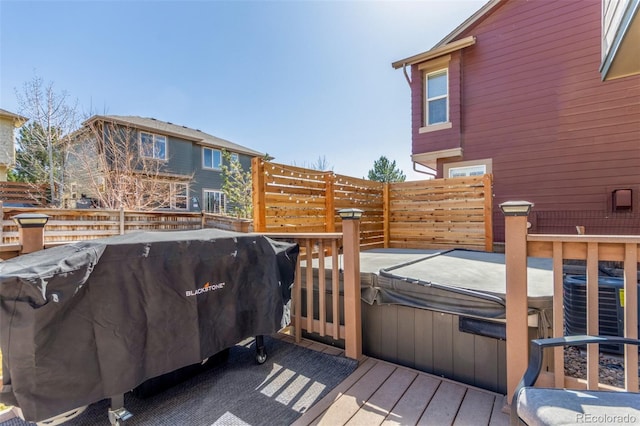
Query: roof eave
x,y
447,40
198,141
480,13
435,53
18,120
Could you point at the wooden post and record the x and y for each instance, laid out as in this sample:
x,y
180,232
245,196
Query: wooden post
x,y
517,344
258,183
203,220
1,222
488,212
592,314
386,213
31,231
352,308
630,315
329,204
121,220
31,239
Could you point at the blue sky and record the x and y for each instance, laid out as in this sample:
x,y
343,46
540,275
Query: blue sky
x,y
298,80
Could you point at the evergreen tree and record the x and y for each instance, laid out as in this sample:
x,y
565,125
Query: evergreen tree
x,y
237,187
32,156
386,171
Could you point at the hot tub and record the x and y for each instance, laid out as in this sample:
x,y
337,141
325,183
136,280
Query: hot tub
x,y
443,312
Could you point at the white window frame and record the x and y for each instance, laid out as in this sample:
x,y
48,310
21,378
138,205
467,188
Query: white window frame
x,y
222,209
428,99
466,171
175,197
235,156
155,139
213,165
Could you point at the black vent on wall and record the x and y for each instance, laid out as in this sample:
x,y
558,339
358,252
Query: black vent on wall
x,y
622,200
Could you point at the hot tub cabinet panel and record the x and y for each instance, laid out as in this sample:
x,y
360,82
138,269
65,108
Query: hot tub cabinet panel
x,y
432,342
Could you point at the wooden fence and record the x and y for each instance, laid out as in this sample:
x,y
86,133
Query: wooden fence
x,y
438,213
24,193
293,199
68,225
441,213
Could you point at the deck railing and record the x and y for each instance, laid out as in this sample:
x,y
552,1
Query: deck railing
x,y
310,312
589,248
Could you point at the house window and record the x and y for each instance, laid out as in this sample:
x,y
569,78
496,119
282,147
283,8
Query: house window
x,y
166,195
478,170
214,201
179,194
153,146
211,158
235,157
437,98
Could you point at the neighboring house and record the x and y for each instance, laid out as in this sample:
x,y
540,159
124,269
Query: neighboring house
x,y
516,91
188,161
8,123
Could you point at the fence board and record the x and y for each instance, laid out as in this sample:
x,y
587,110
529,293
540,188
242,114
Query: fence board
x,y
68,225
441,213
18,192
422,214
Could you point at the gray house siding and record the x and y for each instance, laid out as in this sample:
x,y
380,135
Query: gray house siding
x,y
183,163
180,160
203,178
209,179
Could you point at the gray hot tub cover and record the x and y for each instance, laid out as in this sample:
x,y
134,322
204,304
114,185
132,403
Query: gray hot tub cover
x,y
461,282
90,320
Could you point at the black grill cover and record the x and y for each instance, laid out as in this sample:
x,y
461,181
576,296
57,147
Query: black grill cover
x,y
90,320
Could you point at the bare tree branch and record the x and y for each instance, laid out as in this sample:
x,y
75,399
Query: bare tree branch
x,y
51,117
107,164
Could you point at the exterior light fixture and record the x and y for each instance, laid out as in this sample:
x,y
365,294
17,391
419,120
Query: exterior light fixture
x,y
350,214
516,208
31,220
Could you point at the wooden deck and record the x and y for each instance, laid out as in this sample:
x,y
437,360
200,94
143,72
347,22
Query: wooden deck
x,y
381,393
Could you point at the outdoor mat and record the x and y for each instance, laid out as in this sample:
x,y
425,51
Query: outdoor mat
x,y
237,392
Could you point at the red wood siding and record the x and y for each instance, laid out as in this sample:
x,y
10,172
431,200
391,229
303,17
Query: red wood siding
x,y
442,139
533,101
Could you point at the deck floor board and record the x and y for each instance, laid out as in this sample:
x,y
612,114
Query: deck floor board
x,y
382,393
376,409
413,402
444,405
476,408
350,402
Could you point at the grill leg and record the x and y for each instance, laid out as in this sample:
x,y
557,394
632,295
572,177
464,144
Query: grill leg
x,y
261,353
117,412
